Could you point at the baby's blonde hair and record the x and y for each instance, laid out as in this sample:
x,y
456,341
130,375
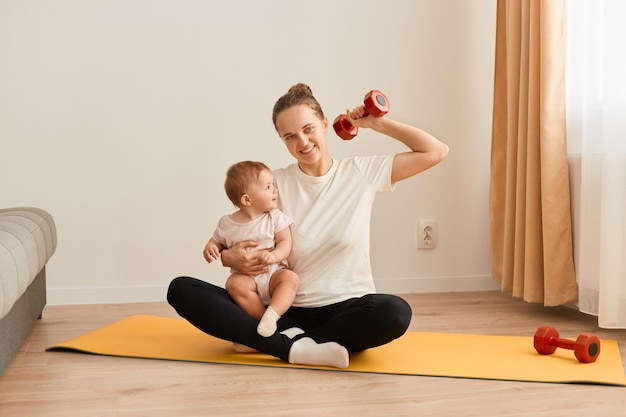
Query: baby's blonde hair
x,y
238,178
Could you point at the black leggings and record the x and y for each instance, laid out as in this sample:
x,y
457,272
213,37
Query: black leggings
x,y
356,324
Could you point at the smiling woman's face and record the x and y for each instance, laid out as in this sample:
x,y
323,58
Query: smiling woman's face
x,y
304,134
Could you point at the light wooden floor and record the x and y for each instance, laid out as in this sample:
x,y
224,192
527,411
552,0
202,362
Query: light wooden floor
x,y
39,383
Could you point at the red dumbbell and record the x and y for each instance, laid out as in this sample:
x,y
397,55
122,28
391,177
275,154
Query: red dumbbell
x,y
376,104
586,347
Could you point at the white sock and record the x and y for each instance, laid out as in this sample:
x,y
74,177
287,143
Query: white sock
x,y
292,332
267,324
306,351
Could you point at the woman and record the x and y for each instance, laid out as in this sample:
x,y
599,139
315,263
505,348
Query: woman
x,y
336,310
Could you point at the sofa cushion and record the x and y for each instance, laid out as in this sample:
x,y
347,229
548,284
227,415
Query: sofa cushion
x,y
27,241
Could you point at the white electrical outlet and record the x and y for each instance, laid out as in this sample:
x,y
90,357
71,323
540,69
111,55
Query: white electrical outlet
x,y
427,234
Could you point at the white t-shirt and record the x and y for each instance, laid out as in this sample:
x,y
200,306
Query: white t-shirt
x,y
331,229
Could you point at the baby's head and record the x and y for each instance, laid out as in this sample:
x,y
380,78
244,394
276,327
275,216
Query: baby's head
x,y
246,179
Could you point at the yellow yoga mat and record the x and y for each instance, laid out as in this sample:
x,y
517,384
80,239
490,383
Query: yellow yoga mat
x,y
510,358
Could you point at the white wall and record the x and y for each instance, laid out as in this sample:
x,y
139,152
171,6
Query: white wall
x,y
120,117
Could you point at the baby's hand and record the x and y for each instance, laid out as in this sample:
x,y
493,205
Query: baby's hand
x,y
267,257
211,253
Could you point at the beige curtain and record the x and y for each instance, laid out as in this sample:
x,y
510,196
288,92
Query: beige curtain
x,y
531,235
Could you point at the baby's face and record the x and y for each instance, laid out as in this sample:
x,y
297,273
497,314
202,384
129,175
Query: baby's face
x,y
263,193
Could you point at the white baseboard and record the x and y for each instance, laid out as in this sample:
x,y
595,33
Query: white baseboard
x,y
105,295
436,284
115,295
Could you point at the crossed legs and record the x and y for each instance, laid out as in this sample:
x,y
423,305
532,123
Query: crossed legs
x,y
330,332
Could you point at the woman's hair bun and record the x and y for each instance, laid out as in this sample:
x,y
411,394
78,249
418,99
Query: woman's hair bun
x,y
301,88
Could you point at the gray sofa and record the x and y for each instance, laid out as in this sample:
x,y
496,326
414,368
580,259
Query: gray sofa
x,y
28,239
